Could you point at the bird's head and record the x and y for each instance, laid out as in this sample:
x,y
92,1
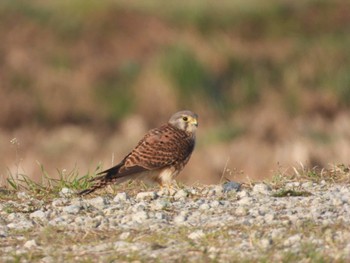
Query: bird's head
x,y
185,120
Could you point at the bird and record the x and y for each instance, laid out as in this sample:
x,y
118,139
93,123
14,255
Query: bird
x,y
158,157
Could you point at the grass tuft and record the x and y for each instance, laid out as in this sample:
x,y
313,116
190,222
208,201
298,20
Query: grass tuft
x,y
291,192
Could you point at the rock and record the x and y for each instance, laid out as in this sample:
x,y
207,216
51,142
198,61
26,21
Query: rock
x,y
30,244
124,235
306,185
72,209
160,204
39,214
65,192
214,204
58,221
23,196
241,211
266,243
242,194
21,225
181,218
231,186
196,235
293,240
3,231
121,197
140,216
269,217
166,192
204,206
181,194
245,201
97,202
146,196
262,189
60,202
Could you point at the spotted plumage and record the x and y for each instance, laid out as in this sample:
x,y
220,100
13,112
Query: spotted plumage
x,y
158,157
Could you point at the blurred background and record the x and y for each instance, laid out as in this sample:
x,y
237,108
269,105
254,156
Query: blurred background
x,y
81,81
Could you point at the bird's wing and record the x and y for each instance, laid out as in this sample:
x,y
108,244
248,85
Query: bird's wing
x,y
159,148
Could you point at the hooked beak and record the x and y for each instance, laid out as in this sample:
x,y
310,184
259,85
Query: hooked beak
x,y
194,122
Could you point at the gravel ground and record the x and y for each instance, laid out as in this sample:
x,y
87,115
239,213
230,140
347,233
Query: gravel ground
x,y
196,224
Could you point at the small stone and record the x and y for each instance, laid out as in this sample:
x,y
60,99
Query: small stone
x,y
219,189
337,201
231,186
79,220
292,240
181,194
292,185
21,225
204,206
139,207
39,214
59,221
48,259
72,209
121,197
181,218
245,201
30,244
159,204
266,243
159,216
241,211
269,218
196,234
146,195
97,201
140,216
3,231
214,204
66,192
307,185
242,194
262,189
60,202
124,235
23,196
166,192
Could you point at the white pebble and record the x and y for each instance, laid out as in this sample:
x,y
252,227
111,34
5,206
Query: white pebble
x,y
30,244
121,197
262,189
39,214
97,201
124,235
140,216
196,234
72,209
146,195
66,192
181,194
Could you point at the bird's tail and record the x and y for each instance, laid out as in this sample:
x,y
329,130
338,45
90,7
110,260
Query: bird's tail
x,y
107,177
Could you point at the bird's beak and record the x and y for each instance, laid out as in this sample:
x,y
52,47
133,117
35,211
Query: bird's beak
x,y
194,122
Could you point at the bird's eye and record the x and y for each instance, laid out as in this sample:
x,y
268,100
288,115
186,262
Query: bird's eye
x,y
185,118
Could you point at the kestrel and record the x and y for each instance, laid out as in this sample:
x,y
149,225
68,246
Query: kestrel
x,y
158,157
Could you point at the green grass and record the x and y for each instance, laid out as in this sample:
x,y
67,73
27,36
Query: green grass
x,y
48,186
290,192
